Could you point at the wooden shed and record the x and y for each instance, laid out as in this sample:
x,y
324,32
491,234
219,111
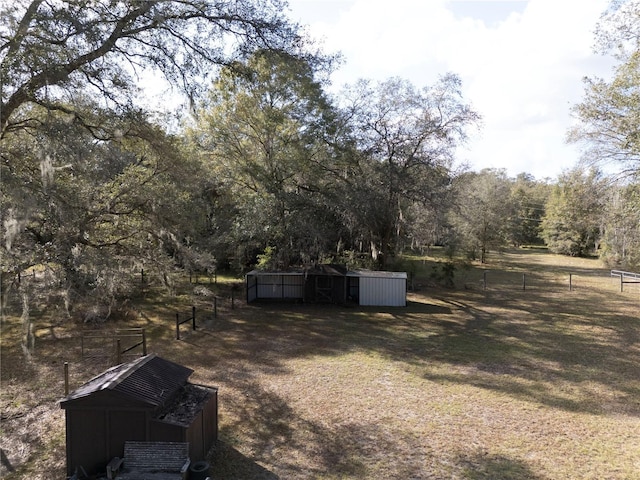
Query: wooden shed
x,y
148,399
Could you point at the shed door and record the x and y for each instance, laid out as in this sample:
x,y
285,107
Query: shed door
x,y
280,286
324,289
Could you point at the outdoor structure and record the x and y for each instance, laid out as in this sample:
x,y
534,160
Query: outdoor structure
x,y
325,284
384,289
264,285
329,284
147,400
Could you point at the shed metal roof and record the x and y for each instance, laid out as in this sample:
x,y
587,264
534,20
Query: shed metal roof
x,y
330,269
151,380
263,273
376,274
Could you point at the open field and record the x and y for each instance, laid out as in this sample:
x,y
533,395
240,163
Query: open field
x,y
521,380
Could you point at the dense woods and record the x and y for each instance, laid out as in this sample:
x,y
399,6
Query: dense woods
x,y
264,166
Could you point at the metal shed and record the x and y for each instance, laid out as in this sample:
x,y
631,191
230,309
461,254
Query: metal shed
x,y
329,284
265,285
148,399
325,284
375,288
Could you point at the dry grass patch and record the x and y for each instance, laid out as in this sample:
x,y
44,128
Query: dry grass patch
x,y
464,383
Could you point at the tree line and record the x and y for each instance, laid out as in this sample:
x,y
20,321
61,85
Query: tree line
x,y
265,167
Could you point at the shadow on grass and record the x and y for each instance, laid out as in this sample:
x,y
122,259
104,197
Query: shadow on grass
x,y
568,353
275,434
578,356
495,467
573,352
228,463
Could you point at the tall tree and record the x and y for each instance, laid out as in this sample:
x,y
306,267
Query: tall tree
x,y
609,115
88,185
406,138
621,233
528,198
572,220
483,211
266,131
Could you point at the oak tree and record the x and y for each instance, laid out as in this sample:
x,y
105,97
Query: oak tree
x,y
406,138
265,131
609,114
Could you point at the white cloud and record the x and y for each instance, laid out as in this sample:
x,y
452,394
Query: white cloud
x,y
521,72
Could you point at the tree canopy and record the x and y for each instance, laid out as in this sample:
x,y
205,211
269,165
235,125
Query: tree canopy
x,y
91,185
265,133
268,168
573,213
52,52
406,138
609,114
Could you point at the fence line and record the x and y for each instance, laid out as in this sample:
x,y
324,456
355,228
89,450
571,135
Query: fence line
x,y
191,319
116,337
490,280
624,275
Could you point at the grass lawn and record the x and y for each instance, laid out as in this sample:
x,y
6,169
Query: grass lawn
x,y
518,378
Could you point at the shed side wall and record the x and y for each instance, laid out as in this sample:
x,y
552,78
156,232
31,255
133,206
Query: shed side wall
x,y
383,292
86,449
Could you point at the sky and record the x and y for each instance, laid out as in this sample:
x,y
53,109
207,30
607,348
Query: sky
x,y
521,64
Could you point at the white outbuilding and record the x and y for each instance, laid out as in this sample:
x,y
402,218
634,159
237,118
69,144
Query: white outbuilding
x,y
375,288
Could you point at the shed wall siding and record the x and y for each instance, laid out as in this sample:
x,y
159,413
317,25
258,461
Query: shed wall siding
x,y
125,425
81,452
384,292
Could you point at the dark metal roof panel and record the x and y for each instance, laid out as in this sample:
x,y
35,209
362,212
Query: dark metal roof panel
x,y
151,380
330,269
318,269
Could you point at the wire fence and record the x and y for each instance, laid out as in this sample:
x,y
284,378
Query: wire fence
x,y
625,283
113,347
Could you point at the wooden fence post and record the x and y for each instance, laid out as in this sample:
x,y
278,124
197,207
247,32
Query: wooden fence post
x,y
118,352
177,326
144,343
193,316
484,280
524,281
